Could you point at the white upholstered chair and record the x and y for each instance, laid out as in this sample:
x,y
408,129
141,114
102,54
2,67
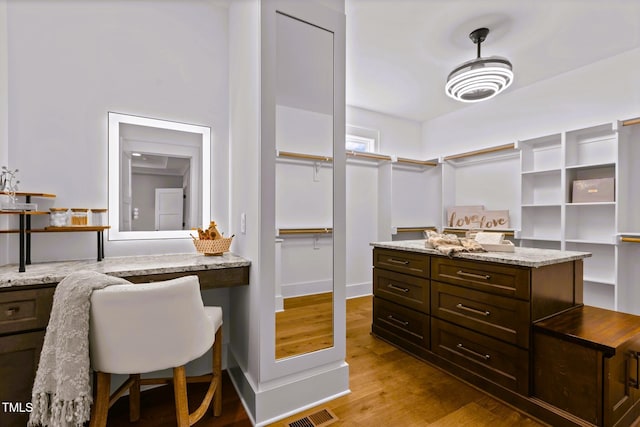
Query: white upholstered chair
x,y
140,328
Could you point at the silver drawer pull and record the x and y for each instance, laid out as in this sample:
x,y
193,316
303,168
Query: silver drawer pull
x,y
11,311
397,288
397,261
393,319
475,276
475,353
473,310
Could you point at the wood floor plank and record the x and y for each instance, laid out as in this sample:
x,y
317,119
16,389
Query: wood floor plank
x,y
389,388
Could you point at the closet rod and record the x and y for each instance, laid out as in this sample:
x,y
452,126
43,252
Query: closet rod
x,y
372,156
483,151
414,229
417,162
630,122
319,230
630,239
304,156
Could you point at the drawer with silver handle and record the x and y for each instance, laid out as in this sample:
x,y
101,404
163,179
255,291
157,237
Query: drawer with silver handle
x,y
498,279
403,323
412,263
500,317
495,360
409,291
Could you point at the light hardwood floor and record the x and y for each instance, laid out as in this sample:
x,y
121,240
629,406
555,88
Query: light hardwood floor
x,y
305,325
389,388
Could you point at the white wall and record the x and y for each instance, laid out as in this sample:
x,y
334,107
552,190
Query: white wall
x,y
4,122
602,92
367,197
70,62
244,129
398,136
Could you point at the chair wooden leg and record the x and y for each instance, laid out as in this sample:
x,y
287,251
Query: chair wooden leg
x,y
134,398
217,373
100,408
180,394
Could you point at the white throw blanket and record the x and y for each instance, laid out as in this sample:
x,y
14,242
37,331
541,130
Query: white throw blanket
x,y
61,395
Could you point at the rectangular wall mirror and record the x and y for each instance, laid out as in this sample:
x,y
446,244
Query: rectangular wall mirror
x,y
305,189
159,177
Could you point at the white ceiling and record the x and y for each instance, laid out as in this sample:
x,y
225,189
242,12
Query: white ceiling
x,y
399,52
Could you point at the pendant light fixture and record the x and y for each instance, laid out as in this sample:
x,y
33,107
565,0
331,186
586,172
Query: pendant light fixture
x,y
479,78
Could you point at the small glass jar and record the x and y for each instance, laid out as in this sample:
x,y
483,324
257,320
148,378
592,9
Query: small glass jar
x,y
98,217
58,217
79,216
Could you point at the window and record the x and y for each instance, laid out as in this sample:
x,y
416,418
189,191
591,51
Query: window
x,y
359,143
361,139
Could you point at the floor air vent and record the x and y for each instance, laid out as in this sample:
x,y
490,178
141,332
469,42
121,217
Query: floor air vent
x,y
317,419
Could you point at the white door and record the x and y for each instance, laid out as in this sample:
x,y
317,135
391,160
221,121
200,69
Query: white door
x,y
169,208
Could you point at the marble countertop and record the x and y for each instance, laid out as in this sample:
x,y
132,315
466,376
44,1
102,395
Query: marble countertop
x,y
526,257
54,272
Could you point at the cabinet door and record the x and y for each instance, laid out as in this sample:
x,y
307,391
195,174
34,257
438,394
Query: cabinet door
x,y
621,380
19,356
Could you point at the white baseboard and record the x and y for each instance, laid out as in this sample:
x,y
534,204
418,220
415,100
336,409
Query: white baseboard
x,y
355,290
291,394
291,290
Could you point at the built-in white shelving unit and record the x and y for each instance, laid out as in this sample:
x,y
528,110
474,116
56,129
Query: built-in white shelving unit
x,y
628,193
414,195
542,196
550,218
592,153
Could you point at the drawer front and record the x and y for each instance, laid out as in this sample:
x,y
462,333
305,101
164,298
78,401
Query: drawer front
x,y
19,356
403,262
500,317
498,279
408,325
25,309
403,289
492,359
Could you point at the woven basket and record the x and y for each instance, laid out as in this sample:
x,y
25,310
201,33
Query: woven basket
x,y
213,247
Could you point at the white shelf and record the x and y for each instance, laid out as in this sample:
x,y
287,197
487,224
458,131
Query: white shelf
x,y
599,294
592,204
591,166
541,154
542,188
591,222
599,281
590,146
600,267
542,171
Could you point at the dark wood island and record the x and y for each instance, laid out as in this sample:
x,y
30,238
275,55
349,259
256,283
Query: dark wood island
x,y
503,322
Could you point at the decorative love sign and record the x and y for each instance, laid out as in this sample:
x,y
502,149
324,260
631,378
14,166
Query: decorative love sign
x,y
475,217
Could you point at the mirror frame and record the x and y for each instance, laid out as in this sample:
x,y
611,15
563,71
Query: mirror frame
x,y
114,121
